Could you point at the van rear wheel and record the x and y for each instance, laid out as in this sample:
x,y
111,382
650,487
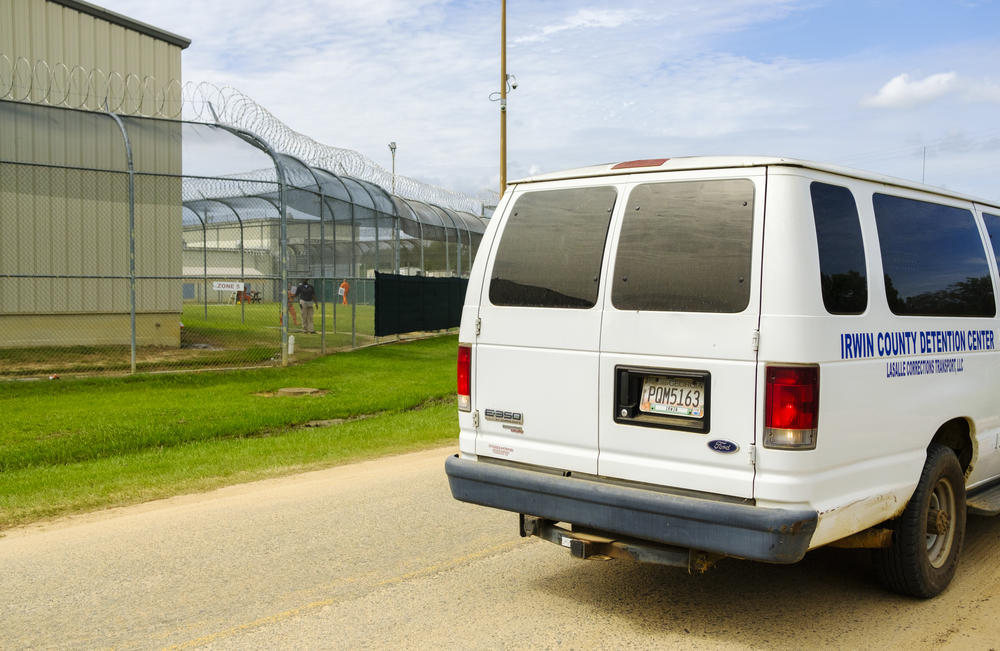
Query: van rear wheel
x,y
927,537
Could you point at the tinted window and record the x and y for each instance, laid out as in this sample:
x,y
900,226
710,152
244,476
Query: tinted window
x,y
933,259
686,247
993,228
841,250
552,248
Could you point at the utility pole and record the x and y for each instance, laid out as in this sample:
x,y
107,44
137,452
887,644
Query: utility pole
x,y
503,96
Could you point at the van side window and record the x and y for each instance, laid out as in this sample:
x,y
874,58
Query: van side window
x,y
933,259
993,229
552,248
841,250
686,247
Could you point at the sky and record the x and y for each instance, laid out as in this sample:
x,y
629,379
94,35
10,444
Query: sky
x,y
906,88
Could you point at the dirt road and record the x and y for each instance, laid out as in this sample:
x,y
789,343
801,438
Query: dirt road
x,y
378,555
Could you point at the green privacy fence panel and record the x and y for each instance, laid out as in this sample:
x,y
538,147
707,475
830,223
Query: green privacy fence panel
x,y
417,303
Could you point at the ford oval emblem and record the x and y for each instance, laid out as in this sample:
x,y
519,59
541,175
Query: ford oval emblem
x,y
723,446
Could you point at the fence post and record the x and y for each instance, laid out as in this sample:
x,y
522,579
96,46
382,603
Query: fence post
x,y
447,250
469,256
395,236
204,262
131,228
354,301
322,273
243,273
423,243
283,258
308,250
336,297
458,236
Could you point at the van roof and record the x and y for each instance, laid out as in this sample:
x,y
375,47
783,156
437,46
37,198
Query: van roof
x,y
647,166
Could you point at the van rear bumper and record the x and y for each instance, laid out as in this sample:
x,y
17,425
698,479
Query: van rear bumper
x,y
740,530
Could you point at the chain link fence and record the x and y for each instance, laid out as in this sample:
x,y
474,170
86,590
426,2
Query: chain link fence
x,y
133,244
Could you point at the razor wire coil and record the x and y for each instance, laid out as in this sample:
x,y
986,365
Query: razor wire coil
x,y
93,89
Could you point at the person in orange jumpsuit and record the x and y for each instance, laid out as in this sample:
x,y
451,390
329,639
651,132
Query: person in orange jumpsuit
x,y
291,305
344,288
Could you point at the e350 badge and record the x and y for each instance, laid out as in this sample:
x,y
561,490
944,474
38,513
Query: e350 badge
x,y
501,416
512,420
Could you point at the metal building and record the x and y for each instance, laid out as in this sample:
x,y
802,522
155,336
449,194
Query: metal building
x,y
60,227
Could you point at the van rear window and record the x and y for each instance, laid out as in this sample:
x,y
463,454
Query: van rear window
x,y
933,259
552,248
841,249
686,247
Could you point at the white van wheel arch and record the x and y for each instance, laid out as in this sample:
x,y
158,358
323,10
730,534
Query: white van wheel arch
x,y
928,536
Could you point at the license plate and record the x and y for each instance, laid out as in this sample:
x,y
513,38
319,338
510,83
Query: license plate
x,y
673,396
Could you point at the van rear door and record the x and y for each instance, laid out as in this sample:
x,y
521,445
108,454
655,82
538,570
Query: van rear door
x,y
678,344
536,377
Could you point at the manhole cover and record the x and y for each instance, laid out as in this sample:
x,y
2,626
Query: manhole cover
x,y
300,391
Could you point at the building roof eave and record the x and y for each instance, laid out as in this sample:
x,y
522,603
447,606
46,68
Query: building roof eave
x,y
125,21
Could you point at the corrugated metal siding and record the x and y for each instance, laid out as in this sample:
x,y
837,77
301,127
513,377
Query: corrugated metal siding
x,y
158,243
58,221
42,30
63,222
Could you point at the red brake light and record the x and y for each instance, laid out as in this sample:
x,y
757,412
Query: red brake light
x,y
465,378
791,407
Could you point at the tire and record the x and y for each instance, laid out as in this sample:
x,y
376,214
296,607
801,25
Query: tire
x,y
921,564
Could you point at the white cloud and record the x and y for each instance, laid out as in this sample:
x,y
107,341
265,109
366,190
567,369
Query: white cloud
x,y
584,19
902,92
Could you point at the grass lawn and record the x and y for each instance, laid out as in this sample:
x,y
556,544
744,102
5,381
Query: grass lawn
x,y
73,445
260,323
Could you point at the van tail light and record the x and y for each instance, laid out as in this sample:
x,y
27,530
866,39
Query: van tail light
x,y
465,378
791,407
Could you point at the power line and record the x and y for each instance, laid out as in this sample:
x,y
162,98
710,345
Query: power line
x,y
914,151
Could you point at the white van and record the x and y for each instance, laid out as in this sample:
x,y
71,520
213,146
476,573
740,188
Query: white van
x,y
679,360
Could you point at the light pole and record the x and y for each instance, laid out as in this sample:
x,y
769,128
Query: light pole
x,y
395,235
507,83
392,148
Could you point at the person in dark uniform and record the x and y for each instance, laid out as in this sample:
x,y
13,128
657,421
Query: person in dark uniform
x,y
306,294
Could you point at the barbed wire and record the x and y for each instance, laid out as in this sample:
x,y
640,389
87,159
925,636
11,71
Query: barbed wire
x,y
94,89
90,89
238,109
